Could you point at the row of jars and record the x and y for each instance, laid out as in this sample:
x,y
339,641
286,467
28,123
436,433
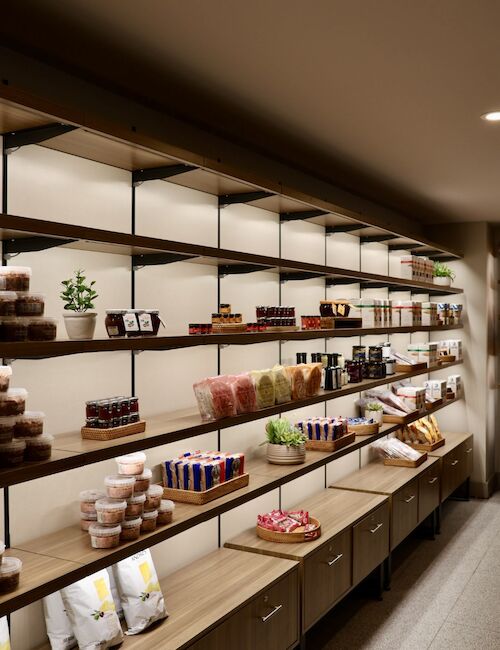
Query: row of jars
x,y
132,322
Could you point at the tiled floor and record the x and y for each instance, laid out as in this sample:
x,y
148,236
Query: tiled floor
x,y
445,593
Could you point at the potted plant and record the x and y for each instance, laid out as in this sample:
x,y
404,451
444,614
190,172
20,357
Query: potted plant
x,y
286,445
443,275
79,297
374,411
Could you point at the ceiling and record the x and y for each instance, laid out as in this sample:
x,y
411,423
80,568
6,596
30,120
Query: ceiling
x,y
382,96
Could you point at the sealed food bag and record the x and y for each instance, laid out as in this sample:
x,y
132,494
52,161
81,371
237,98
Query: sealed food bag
x,y
59,628
282,385
91,612
244,393
222,397
140,592
204,398
114,592
4,634
264,387
297,380
312,374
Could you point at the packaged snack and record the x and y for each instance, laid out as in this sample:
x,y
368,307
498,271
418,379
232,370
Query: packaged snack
x,y
39,447
282,385
8,303
297,380
135,505
148,524
5,375
42,329
30,304
12,453
7,425
264,387
114,592
91,612
15,278
88,499
131,464
110,511
165,512
10,571
104,536
244,393
143,481
14,329
87,518
153,497
119,487
215,398
59,628
140,592
30,423
312,375
131,529
13,401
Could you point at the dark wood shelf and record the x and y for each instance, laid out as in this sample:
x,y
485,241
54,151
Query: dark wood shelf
x,y
71,452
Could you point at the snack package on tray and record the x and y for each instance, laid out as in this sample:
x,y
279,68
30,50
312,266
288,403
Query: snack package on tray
x,y
394,448
282,385
297,381
264,387
284,521
215,398
201,471
244,392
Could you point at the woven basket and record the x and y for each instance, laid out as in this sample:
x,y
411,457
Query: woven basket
x,y
115,432
295,537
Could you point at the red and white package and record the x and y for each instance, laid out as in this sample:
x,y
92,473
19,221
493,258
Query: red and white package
x,y
244,392
215,398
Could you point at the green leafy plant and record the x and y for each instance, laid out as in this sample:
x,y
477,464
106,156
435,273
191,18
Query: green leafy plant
x,y
442,270
374,406
77,295
282,432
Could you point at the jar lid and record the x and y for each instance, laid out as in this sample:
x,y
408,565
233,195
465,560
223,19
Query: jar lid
x,y
88,516
110,504
153,514
48,320
119,480
151,311
98,530
91,496
14,445
115,311
11,270
10,565
5,371
147,474
136,457
155,490
42,440
8,295
131,523
166,506
136,498
31,415
29,294
12,393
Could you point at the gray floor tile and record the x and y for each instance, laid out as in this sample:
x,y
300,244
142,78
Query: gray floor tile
x,y
479,604
465,637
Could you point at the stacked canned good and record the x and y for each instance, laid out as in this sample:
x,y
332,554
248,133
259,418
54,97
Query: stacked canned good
x,y
277,316
112,412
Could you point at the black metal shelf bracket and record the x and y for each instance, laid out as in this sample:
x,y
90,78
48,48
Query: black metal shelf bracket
x,y
348,227
13,247
299,275
157,259
374,239
404,247
443,257
240,269
16,139
139,176
242,197
302,215
331,282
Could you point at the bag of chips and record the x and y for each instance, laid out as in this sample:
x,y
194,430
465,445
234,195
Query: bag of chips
x,y
59,628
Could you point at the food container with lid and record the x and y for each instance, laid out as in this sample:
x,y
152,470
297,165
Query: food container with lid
x,y
7,425
131,464
10,571
135,505
88,499
16,278
42,329
30,304
2,551
8,301
119,487
143,481
110,511
165,512
5,375
115,326
30,423
104,536
38,447
149,521
153,497
87,518
131,529
12,453
13,401
14,329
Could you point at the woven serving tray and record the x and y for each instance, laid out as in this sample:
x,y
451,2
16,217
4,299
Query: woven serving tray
x,y
115,432
200,498
409,367
330,445
402,462
297,536
364,429
427,446
399,419
446,358
229,328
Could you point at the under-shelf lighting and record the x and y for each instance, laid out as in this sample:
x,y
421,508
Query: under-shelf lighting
x,y
492,116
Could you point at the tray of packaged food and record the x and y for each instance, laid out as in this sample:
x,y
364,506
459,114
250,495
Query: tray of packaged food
x,y
410,367
363,426
228,328
404,462
325,433
200,498
288,527
423,434
90,433
446,358
399,419
330,445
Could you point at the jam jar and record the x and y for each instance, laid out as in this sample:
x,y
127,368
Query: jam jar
x,y
355,371
326,308
375,353
115,326
359,353
149,321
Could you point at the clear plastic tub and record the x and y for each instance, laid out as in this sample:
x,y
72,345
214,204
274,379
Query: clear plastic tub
x,y
110,511
165,512
119,487
2,551
149,521
38,448
30,304
8,301
153,497
5,375
10,570
143,481
88,499
7,425
16,278
135,505
29,424
14,329
12,453
13,401
131,464
87,518
104,536
131,529
42,329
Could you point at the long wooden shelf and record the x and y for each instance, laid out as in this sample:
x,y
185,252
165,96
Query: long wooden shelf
x,y
46,349
70,451
72,546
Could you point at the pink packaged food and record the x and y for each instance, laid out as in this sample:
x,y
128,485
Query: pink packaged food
x,y
244,393
283,521
215,398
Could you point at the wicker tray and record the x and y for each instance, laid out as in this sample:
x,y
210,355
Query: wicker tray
x,y
330,445
115,432
364,429
340,322
284,328
427,446
430,405
446,358
400,419
298,535
200,498
229,328
408,367
402,462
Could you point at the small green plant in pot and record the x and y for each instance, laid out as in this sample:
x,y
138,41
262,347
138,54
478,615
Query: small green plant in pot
x,y
78,296
443,275
286,445
374,411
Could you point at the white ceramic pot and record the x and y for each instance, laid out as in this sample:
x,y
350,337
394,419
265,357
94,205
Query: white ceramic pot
x,y
284,455
376,416
442,281
80,326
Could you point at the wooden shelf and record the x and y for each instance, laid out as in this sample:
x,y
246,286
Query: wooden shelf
x,y
70,451
73,546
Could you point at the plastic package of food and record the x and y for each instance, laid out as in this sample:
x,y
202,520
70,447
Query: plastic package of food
x,y
215,398
135,505
165,512
297,380
131,464
30,423
42,329
114,592
4,633
12,453
88,499
244,392
30,304
87,518
16,278
394,448
110,511
59,628
8,303
104,536
14,329
312,375
13,401
7,425
264,387
149,521
119,487
2,551
143,481
131,529
38,448
153,497
282,385
10,571
5,375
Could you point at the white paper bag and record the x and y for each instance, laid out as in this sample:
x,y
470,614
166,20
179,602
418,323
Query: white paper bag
x,y
59,628
4,634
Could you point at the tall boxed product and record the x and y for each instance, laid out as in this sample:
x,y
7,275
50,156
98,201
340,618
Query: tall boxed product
x,y
412,396
407,267
369,311
435,389
455,347
429,314
455,384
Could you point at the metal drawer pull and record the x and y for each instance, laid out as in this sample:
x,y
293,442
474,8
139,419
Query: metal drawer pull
x,y
468,451
276,608
374,530
335,559
455,462
410,498
433,480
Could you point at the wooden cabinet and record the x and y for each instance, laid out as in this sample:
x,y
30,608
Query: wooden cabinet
x,y
327,576
454,468
468,451
404,512
428,491
370,543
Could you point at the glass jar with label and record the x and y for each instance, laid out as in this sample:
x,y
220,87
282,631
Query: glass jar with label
x,y
131,323
115,326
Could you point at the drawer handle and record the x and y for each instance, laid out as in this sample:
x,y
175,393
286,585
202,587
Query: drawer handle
x,y
374,530
469,451
335,559
455,462
275,609
433,480
410,498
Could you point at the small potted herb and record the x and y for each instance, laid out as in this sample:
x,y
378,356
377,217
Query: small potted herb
x,y
443,275
374,411
79,296
286,445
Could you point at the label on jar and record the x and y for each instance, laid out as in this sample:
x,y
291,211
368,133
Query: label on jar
x,y
130,322
113,330
145,323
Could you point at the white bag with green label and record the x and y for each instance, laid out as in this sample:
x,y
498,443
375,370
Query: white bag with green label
x,y
59,628
140,593
4,634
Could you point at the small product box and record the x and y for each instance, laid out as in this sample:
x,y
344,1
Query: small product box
x,y
435,389
455,384
412,396
407,267
455,346
369,311
429,314
444,348
428,353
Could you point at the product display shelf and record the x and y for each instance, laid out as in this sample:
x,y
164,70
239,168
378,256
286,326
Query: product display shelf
x,y
71,451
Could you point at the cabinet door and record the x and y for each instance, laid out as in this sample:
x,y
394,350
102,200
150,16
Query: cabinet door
x,y
236,632
453,471
428,491
275,615
468,452
327,575
370,543
404,512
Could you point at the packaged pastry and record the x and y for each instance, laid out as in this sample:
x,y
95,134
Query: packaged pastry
x,y
312,375
131,464
15,278
13,401
42,329
12,453
7,425
165,512
102,536
264,387
244,393
5,375
119,487
215,398
88,499
148,524
297,380
131,529
30,304
38,448
30,423
14,329
110,511
10,571
282,385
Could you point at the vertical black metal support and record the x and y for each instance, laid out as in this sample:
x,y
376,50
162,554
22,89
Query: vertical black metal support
x,y
6,516
6,500
219,532
388,572
132,290
280,343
